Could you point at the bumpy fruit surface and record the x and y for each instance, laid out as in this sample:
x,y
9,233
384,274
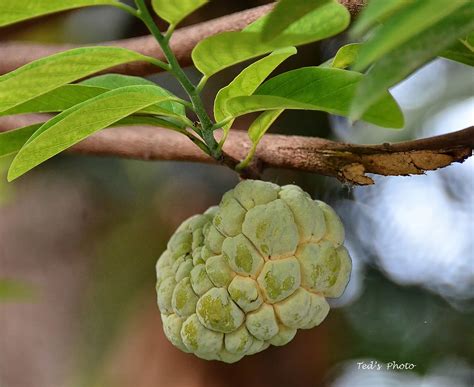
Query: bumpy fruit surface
x,y
247,274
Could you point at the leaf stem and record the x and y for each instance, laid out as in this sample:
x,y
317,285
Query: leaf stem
x,y
245,162
193,92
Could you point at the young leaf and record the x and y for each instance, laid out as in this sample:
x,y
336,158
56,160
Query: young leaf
x,y
14,11
248,80
173,11
46,74
400,63
114,81
12,141
462,51
79,122
66,96
261,124
56,100
316,88
376,11
402,27
344,57
285,13
217,52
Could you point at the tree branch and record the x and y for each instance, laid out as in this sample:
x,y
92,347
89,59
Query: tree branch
x,y
16,54
347,162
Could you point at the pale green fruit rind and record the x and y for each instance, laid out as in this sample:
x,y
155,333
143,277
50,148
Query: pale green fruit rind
x,y
345,268
271,228
294,309
318,310
284,336
200,281
172,327
250,193
198,339
308,216
218,312
320,265
244,291
242,256
248,273
230,216
219,271
239,341
262,323
184,269
184,299
279,279
165,294
334,227
214,239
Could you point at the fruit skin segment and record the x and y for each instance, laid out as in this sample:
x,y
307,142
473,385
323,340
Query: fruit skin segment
x,y
250,272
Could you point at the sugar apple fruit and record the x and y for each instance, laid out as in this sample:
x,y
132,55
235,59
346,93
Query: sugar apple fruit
x,y
250,272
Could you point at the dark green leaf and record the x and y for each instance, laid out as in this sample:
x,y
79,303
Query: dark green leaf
x,y
403,27
285,13
398,64
316,88
79,122
46,74
217,52
15,11
173,11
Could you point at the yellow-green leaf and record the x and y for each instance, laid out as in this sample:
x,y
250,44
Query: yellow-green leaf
x,y
248,80
49,73
217,52
261,124
12,141
285,13
79,122
12,11
173,11
316,88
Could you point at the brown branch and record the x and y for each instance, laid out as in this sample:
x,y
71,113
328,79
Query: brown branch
x,y
16,54
348,162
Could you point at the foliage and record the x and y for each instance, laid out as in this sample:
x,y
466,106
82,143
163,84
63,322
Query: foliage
x,y
395,39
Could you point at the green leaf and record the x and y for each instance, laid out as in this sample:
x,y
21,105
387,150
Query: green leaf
x,y
79,122
403,27
316,88
217,52
173,11
14,291
344,57
46,74
285,13
12,141
56,100
114,81
398,64
261,124
462,51
376,11
66,96
15,11
248,80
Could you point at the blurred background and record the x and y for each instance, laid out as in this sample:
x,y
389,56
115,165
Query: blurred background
x,y
79,239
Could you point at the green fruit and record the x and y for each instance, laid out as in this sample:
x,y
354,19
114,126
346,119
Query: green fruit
x,y
247,274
